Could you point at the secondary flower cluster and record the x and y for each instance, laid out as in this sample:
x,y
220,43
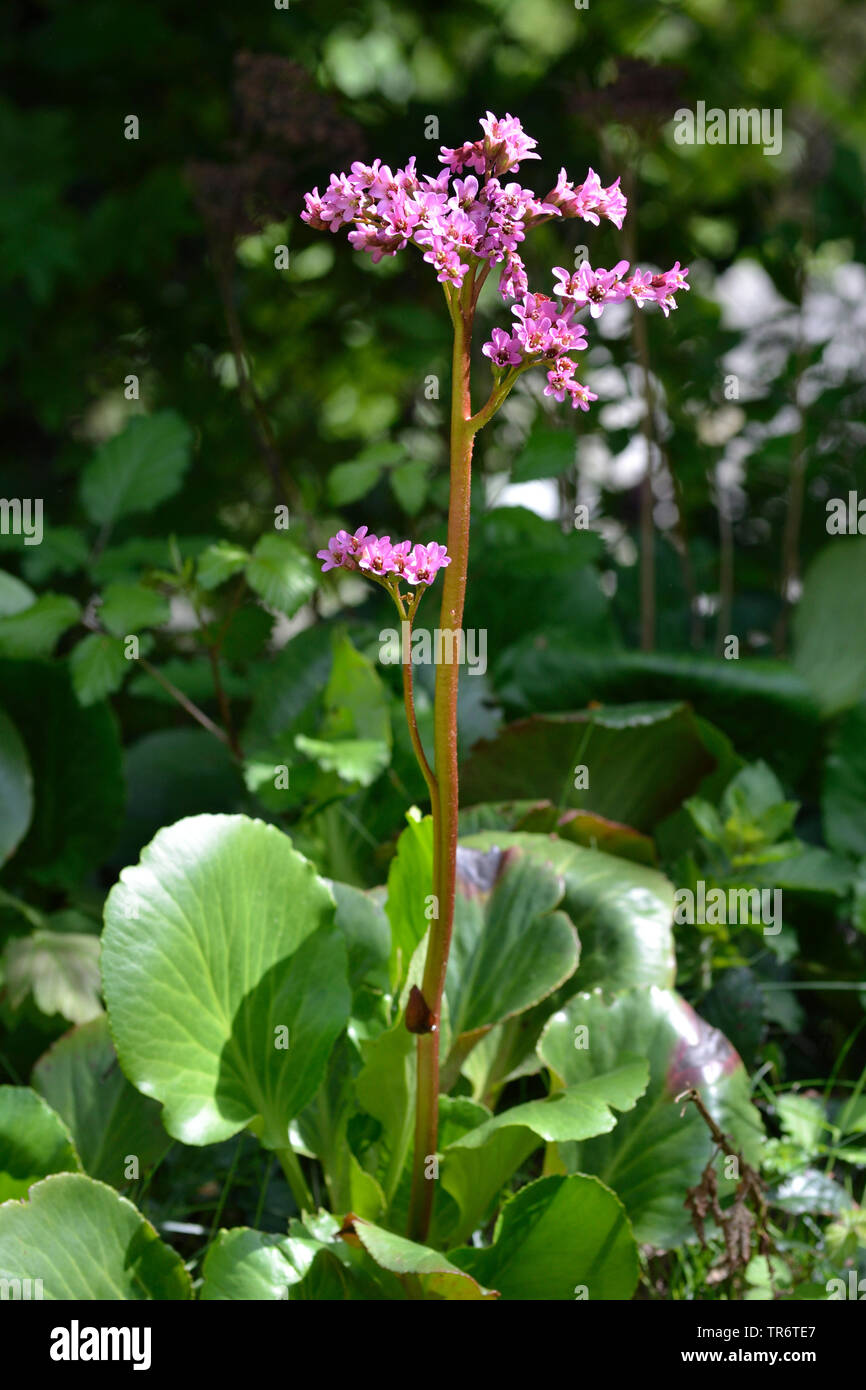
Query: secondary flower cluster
x,y
418,564
544,330
467,220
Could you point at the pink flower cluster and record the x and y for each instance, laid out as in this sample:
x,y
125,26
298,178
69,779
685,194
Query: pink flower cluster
x,y
545,331
418,564
599,287
462,221
452,221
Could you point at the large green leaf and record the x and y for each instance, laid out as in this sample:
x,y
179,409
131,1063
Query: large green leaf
x,y
762,704
252,1265
34,631
559,1238
87,1243
476,1166
321,1259
110,1121
658,1149
34,1142
138,468
641,762
510,948
622,912
16,788
281,574
78,780
362,920
219,940
829,641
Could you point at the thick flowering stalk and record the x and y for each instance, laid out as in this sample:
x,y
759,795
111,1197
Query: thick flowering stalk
x,y
465,224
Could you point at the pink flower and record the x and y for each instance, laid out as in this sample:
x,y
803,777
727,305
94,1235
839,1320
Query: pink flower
x,y
558,379
445,260
589,199
426,562
468,156
660,289
513,282
356,543
581,396
543,329
335,553
561,383
640,287
376,556
465,215
666,286
401,557
502,350
465,192
613,204
506,143
593,287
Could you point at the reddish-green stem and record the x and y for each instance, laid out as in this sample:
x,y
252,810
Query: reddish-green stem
x,y
444,796
463,430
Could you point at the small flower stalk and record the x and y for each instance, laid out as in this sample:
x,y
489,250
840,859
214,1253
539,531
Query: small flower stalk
x,y
470,219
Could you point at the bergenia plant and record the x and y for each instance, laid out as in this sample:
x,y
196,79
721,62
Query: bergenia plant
x,y
468,1075
467,221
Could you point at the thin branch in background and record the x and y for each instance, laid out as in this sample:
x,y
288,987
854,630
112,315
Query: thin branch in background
x,y
681,545
90,622
213,647
726,564
185,703
223,703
